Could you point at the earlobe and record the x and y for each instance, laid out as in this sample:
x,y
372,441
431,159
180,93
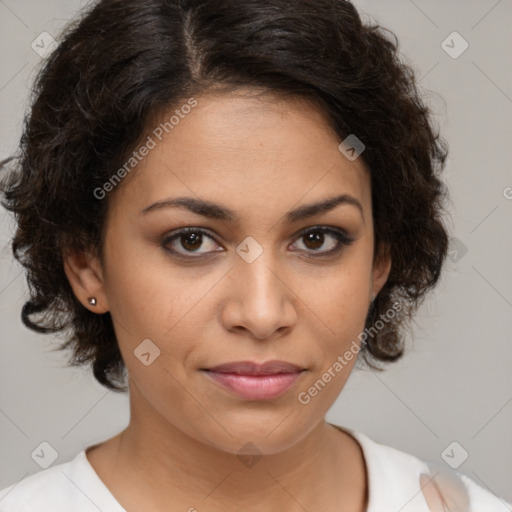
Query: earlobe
x,y
85,276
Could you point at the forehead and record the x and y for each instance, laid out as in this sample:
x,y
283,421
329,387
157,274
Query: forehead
x,y
263,152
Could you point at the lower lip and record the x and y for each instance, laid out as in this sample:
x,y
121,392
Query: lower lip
x,y
256,387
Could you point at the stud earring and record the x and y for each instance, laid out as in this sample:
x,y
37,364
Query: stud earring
x,y
92,301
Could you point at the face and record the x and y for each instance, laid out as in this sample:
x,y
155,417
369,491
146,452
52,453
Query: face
x,y
240,271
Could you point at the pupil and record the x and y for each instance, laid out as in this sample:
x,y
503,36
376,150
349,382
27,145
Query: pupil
x,y
312,237
195,239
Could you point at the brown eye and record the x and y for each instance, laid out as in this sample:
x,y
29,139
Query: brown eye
x,y
192,241
314,240
332,240
189,241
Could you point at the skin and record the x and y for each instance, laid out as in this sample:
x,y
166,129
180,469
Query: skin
x,y
259,156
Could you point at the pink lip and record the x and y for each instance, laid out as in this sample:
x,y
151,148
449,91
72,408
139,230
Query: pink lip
x,y
255,381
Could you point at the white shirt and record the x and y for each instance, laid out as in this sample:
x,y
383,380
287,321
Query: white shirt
x,y
393,482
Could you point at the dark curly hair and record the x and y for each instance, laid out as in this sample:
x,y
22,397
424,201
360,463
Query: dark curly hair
x,y
124,62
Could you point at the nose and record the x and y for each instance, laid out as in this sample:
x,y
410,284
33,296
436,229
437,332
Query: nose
x,y
259,300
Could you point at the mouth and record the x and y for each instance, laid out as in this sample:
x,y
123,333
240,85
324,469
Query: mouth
x,y
255,381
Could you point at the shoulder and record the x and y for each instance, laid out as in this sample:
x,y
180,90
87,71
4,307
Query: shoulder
x,y
401,481
37,489
61,488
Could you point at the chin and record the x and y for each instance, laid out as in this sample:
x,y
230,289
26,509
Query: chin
x,y
261,436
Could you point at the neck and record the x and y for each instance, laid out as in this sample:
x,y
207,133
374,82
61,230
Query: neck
x,y
324,469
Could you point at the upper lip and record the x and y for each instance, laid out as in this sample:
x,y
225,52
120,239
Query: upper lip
x,y
253,368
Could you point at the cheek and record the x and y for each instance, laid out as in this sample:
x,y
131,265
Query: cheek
x,y
342,298
343,308
146,295
341,302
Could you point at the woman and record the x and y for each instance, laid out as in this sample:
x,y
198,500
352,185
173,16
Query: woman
x,y
228,204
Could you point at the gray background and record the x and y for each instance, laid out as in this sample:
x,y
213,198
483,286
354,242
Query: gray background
x,y
455,383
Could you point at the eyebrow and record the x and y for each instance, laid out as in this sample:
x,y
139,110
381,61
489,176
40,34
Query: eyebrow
x,y
217,211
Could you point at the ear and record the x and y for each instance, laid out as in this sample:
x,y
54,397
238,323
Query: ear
x,y
84,273
381,269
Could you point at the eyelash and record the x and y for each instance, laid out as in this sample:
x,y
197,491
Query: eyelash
x,y
341,237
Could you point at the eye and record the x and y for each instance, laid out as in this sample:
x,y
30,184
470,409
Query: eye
x,y
189,240
186,243
333,241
